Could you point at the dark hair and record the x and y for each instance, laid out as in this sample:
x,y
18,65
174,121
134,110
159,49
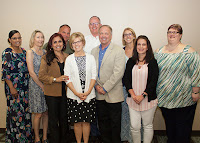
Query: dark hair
x,y
177,27
149,52
50,53
11,33
64,25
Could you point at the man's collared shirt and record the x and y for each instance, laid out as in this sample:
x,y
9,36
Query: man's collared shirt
x,y
101,55
91,42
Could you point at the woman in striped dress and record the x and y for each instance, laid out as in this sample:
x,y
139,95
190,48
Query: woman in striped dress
x,y
140,80
178,85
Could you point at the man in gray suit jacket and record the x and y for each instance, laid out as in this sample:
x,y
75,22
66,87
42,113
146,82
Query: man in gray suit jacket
x,y
110,60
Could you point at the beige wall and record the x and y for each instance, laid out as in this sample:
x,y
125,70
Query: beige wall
x,y
148,17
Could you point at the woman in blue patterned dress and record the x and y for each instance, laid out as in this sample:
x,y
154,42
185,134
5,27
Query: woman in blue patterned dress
x,y
178,85
16,77
128,40
37,102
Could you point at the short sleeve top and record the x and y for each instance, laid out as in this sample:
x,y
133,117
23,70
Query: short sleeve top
x,y
178,73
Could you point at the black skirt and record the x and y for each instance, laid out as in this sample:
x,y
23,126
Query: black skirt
x,y
82,112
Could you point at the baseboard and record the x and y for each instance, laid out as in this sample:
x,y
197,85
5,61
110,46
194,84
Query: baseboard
x,y
2,130
156,132
163,133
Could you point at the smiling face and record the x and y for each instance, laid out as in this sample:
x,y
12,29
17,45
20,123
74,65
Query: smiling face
x,y
128,36
38,40
142,46
173,36
16,40
77,45
57,44
105,36
94,25
65,32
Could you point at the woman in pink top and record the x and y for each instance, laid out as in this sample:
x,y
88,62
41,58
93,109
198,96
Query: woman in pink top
x,y
140,80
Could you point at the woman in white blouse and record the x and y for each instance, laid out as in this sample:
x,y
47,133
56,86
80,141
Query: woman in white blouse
x,y
80,67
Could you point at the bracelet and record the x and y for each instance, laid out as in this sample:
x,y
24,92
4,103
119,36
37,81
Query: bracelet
x,y
144,95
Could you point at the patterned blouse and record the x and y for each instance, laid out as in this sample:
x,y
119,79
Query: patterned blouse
x,y
178,73
81,63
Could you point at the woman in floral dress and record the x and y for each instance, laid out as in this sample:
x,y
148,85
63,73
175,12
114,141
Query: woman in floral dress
x,y
15,74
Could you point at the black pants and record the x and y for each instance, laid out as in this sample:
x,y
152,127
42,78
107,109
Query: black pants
x,y
109,118
179,123
57,113
94,131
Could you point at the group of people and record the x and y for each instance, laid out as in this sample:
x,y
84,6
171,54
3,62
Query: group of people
x,y
98,87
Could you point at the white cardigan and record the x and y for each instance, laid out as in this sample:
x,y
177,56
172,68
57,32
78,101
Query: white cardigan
x,y
71,70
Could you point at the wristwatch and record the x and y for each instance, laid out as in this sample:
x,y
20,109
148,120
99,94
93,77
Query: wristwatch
x,y
54,79
144,95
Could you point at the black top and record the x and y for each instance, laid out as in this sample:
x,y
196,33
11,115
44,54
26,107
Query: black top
x,y
152,78
61,65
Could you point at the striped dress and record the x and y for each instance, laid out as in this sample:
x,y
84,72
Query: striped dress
x,y
178,73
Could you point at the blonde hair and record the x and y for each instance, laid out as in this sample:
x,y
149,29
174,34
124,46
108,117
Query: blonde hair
x,y
31,43
74,36
134,35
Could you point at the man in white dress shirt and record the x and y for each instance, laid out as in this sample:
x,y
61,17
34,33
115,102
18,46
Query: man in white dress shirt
x,y
92,40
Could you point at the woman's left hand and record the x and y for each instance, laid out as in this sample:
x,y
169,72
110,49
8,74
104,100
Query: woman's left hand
x,y
62,78
81,96
138,99
86,94
195,97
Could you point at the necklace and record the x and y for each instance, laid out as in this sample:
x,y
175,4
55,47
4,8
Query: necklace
x,y
141,60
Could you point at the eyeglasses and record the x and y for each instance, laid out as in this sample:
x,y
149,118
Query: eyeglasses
x,y
78,42
15,38
172,32
96,24
129,34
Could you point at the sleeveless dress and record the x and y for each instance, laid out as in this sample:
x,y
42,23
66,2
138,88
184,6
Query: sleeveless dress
x,y
37,102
